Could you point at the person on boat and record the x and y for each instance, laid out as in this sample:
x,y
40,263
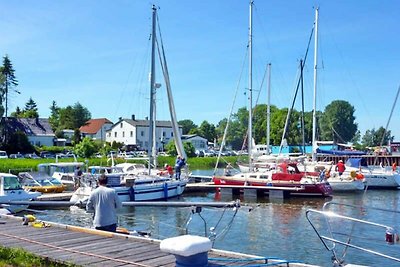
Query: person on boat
x,y
340,168
228,170
169,170
77,177
394,166
180,162
104,202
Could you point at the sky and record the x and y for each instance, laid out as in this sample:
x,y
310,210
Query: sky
x,y
97,53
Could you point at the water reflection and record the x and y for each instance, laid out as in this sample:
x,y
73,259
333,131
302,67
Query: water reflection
x,y
276,227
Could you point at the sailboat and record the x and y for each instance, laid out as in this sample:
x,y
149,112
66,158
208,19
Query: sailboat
x,y
357,173
145,186
283,175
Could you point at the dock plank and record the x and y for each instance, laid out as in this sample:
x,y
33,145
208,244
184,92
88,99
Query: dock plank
x,y
88,247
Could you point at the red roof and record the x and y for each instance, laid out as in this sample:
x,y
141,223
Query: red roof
x,y
93,126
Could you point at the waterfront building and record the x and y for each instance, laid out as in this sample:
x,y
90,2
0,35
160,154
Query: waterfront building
x,y
96,129
133,132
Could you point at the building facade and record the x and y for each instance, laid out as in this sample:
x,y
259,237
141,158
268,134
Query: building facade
x,y
96,129
38,130
132,132
199,143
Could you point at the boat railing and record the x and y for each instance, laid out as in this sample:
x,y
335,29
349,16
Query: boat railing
x,y
344,227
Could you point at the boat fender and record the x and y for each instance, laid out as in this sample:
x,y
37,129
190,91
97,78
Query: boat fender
x,y
131,194
165,190
40,224
353,174
360,176
27,219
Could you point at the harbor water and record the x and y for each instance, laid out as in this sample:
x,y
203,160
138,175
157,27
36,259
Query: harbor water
x,y
261,226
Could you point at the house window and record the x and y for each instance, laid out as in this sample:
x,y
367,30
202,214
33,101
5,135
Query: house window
x,y
163,134
172,134
131,133
121,125
142,133
115,134
123,134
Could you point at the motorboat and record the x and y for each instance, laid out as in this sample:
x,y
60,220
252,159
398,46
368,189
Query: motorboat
x,y
11,190
62,171
357,169
130,187
346,182
375,177
40,182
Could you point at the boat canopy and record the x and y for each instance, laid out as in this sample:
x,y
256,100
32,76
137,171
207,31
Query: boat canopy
x,y
356,162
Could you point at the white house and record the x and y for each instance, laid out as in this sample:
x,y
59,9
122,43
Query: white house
x,y
37,130
199,143
136,133
96,128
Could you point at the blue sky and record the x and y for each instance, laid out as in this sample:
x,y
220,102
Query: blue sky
x,y
97,53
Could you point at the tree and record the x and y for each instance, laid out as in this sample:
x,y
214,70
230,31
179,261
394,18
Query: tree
x,y
18,142
187,126
9,81
170,148
86,148
207,130
54,118
30,110
338,122
373,137
70,117
17,113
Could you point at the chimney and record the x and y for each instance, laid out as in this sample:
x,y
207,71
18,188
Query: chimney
x,y
147,118
120,119
133,117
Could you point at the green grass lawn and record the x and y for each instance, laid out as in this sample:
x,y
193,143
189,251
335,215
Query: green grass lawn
x,y
21,258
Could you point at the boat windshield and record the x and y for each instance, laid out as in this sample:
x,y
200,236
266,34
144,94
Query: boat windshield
x,y
11,183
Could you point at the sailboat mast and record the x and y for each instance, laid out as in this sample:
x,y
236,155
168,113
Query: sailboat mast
x,y
314,121
268,106
152,87
250,133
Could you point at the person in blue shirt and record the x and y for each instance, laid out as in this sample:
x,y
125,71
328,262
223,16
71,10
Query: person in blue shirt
x,y
104,202
180,162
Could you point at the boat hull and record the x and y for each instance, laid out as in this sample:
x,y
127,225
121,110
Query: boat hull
x,y
140,192
309,189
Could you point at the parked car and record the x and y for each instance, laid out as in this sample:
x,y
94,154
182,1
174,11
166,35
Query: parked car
x,y
16,156
31,156
209,153
199,153
3,154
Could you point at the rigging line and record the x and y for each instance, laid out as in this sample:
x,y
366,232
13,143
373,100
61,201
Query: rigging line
x,y
344,67
287,122
124,88
231,111
387,124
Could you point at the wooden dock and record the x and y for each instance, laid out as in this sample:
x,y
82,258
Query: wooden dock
x,y
83,247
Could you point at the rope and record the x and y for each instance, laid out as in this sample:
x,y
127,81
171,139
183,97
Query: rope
x,y
74,251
